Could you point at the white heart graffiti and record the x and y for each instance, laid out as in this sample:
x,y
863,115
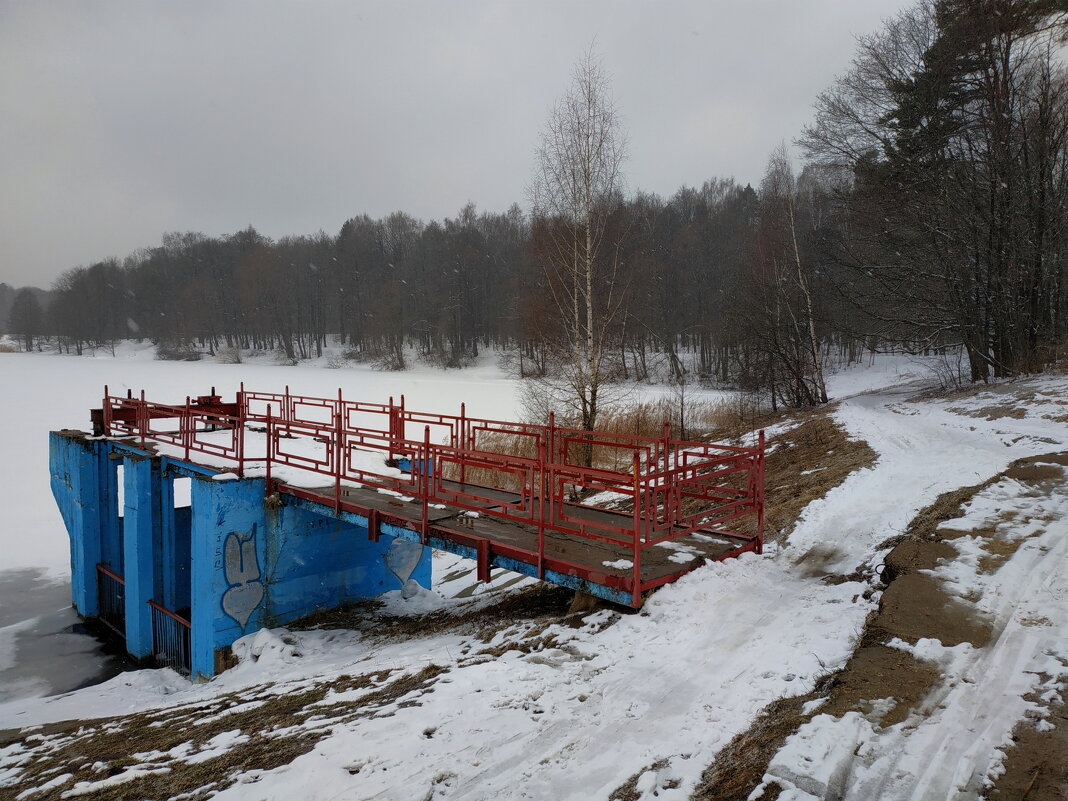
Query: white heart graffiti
x,y
243,576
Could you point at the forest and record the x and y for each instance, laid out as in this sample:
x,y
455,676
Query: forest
x,y
925,208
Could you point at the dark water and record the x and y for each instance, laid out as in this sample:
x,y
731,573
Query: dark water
x,y
45,648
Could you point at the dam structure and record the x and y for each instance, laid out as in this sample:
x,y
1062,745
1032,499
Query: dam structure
x,y
193,524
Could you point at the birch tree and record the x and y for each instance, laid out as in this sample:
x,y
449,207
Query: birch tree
x,y
576,187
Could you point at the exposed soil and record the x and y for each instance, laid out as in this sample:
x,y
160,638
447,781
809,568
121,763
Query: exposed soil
x,y
913,605
1036,765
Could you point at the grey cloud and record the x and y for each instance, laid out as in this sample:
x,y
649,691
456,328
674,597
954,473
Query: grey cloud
x,y
124,120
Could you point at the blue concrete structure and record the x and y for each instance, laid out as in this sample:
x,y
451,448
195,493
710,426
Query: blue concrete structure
x,y
229,563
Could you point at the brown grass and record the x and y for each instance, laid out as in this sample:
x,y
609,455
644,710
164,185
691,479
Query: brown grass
x,y
533,605
628,791
82,746
740,766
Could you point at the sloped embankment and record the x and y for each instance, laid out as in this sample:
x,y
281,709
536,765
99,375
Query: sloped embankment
x,y
943,623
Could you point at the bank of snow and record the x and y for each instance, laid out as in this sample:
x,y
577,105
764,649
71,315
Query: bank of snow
x,y
1011,567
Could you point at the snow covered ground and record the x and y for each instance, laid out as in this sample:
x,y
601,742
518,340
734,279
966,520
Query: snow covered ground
x,y
657,694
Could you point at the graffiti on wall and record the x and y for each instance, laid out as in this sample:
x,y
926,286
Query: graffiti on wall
x,y
402,559
242,572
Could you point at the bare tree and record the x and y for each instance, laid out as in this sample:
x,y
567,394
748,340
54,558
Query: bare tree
x,y
576,188
780,198
954,124
25,318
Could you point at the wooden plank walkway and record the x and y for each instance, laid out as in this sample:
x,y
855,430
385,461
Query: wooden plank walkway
x,y
520,540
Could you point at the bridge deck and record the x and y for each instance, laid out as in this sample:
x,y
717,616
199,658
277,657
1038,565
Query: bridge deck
x,y
688,497
602,563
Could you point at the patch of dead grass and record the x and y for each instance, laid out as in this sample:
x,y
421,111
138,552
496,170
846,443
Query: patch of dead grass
x,y
533,604
628,791
740,766
998,411
287,725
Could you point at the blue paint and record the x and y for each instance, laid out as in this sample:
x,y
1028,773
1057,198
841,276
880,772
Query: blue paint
x,y
111,523
143,544
406,465
183,541
552,576
234,562
221,509
85,496
316,561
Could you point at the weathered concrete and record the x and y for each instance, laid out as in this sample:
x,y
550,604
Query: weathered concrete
x,y
83,482
235,561
143,535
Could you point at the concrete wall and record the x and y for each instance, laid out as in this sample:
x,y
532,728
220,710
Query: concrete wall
x,y
257,564
235,561
84,484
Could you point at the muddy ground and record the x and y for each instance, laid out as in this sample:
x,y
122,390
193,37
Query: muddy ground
x,y
913,605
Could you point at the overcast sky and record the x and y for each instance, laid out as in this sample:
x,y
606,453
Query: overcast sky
x,y
120,121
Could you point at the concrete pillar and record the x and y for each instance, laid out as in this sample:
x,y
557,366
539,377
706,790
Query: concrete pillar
x,y
78,469
228,531
143,548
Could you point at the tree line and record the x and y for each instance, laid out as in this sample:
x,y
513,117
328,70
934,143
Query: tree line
x,y
930,213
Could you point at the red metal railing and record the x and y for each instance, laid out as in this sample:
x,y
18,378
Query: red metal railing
x,y
674,487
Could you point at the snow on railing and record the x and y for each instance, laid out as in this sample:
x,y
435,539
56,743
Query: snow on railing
x,y
673,487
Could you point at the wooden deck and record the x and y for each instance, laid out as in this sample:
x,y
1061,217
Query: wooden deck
x,y
605,563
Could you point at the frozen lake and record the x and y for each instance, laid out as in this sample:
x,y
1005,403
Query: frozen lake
x,y
44,648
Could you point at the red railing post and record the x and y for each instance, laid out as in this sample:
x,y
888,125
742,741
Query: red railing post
x,y
463,443
287,411
760,495
636,589
337,448
541,509
269,431
241,430
392,429
105,412
185,426
143,419
424,470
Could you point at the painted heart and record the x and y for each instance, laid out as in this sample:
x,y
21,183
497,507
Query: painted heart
x,y
402,558
241,601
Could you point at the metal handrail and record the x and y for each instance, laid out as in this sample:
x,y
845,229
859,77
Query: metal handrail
x,y
664,474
